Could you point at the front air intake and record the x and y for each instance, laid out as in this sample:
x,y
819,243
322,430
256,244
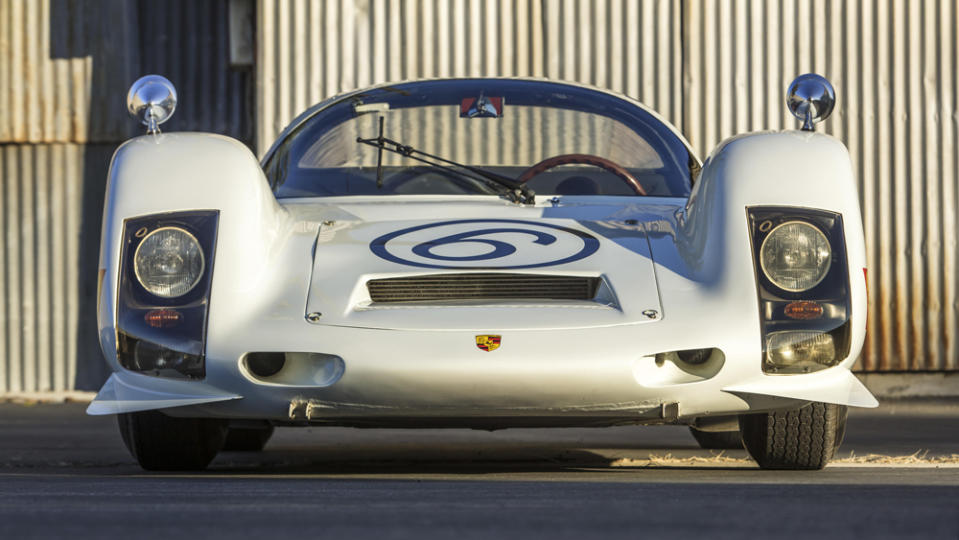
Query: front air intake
x,y
482,286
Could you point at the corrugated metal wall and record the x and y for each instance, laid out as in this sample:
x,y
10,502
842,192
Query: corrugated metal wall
x,y
188,42
48,261
65,67
893,64
309,50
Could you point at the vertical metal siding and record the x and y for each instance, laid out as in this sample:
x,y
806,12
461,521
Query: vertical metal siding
x,y
310,50
47,283
46,75
188,42
54,56
894,66
65,67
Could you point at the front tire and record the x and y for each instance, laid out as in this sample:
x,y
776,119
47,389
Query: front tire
x,y
164,443
801,439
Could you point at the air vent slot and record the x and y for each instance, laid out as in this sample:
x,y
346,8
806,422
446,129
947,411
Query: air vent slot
x,y
482,286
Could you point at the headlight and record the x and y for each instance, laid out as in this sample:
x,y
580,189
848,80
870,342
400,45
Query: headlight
x,y
150,357
805,303
169,262
795,256
800,351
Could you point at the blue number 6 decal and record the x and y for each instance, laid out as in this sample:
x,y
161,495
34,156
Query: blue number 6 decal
x,y
500,249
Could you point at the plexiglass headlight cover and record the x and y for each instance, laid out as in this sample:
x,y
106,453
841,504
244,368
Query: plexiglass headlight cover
x,y
165,334
169,262
795,256
789,345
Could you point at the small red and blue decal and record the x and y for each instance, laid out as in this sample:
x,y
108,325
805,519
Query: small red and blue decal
x,y
481,107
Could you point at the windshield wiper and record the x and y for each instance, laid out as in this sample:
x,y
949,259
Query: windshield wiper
x,y
516,191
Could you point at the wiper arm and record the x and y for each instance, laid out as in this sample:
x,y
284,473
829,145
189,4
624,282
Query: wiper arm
x,y
379,158
516,191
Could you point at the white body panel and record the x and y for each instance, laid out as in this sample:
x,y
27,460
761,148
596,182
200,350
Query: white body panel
x,y
571,363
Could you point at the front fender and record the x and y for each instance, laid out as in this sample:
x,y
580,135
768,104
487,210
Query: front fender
x,y
177,172
783,169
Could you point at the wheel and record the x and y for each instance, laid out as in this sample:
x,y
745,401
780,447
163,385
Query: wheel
x,y
804,438
164,443
717,440
247,439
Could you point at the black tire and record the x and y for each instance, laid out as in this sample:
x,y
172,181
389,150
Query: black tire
x,y
247,439
717,440
802,439
164,443
841,430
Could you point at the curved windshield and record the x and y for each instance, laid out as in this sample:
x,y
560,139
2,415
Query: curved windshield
x,y
481,136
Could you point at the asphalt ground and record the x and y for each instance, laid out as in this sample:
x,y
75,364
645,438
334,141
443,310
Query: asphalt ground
x,y
64,474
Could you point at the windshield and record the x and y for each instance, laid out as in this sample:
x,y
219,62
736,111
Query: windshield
x,y
501,127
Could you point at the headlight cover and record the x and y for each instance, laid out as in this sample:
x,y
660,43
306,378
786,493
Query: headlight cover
x,y
169,262
802,281
795,256
166,270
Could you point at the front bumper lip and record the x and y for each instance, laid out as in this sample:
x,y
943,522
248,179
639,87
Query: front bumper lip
x,y
126,392
836,385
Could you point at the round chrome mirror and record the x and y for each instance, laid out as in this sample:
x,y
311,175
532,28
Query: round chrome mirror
x,y
152,100
810,98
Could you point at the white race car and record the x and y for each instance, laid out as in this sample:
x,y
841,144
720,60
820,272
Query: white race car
x,y
481,253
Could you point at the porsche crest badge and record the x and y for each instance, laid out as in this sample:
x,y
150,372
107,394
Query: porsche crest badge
x,y
488,342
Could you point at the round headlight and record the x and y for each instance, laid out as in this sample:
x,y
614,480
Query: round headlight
x,y
169,262
795,256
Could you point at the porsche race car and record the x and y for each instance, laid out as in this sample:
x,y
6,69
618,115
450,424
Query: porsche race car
x,y
481,253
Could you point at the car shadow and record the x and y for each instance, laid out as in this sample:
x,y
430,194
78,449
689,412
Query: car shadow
x,y
397,453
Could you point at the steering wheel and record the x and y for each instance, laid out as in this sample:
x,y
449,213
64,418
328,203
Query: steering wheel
x,y
587,159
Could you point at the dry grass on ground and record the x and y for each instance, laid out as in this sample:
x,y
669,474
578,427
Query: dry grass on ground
x,y
918,459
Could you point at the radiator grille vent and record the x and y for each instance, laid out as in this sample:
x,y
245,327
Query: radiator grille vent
x,y
484,286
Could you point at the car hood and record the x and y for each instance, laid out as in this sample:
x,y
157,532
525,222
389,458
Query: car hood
x,y
437,263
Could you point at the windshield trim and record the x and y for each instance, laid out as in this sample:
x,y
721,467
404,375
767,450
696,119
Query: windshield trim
x,y
349,96
542,201
639,118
